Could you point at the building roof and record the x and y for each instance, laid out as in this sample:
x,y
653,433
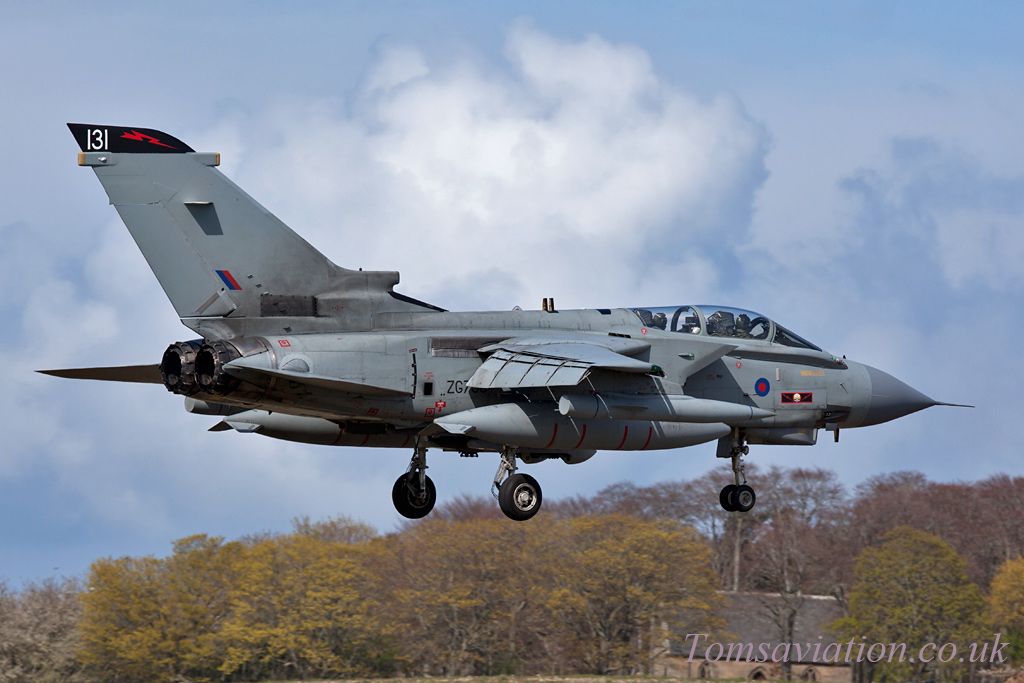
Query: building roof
x,y
751,618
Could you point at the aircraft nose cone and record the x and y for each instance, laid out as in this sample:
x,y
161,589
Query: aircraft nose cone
x,y
891,398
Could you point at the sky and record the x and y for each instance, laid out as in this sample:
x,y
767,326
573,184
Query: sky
x,y
854,170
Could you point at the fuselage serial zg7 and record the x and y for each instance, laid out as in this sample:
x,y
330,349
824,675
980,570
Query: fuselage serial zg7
x,y
295,347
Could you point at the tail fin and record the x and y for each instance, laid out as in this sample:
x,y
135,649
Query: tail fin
x,y
216,252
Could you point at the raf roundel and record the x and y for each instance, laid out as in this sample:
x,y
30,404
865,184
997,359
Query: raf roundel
x,y
762,387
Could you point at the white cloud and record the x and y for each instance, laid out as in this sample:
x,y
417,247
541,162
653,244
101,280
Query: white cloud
x,y
940,211
396,65
573,158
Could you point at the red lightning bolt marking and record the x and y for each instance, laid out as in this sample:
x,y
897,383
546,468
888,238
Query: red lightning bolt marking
x,y
142,137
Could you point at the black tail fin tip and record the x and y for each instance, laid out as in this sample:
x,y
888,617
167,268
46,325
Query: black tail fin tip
x,y
125,140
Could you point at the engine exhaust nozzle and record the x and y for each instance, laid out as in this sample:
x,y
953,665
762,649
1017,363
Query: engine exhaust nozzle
x,y
178,367
210,362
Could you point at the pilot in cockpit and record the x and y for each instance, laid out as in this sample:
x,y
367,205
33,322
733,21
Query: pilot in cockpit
x,y
659,320
742,326
721,324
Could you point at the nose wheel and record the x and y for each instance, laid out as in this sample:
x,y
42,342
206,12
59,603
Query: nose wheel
x,y
738,497
519,495
414,494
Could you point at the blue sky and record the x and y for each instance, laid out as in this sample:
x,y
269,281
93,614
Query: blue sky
x,y
854,170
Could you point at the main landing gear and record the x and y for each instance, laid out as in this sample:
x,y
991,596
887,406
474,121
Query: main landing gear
x,y
519,495
414,494
737,497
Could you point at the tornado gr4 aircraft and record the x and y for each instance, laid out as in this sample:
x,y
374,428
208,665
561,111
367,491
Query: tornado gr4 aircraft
x,y
295,347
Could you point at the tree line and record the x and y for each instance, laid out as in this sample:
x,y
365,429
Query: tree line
x,y
596,584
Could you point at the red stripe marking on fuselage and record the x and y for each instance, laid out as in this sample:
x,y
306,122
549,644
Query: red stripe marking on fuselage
x,y
366,440
583,435
650,433
233,280
625,433
554,433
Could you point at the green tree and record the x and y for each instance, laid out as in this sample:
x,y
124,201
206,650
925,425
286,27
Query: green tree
x,y
913,589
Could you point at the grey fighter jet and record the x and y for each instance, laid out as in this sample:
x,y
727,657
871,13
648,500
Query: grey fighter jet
x,y
294,347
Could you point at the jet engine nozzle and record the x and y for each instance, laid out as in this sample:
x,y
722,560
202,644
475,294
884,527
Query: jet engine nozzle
x,y
210,362
214,355
178,367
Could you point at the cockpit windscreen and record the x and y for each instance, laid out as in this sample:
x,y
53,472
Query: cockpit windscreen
x,y
735,323
720,321
670,318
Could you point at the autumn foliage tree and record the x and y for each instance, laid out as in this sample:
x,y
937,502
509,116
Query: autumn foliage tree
x,y
450,597
625,587
596,584
1006,604
152,619
298,605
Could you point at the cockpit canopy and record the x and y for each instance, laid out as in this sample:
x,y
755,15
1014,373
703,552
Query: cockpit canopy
x,y
720,321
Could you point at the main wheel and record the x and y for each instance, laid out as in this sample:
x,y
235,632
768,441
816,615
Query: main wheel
x,y
411,502
743,498
519,497
725,497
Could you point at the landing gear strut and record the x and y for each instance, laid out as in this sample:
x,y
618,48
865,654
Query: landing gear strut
x,y
738,496
519,495
414,494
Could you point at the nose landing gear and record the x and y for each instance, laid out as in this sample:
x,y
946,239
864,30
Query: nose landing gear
x,y
519,495
737,497
414,494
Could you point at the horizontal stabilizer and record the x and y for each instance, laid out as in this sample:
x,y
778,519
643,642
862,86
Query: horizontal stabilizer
x,y
263,376
141,374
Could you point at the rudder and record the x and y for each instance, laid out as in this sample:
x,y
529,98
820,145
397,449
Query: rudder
x,y
214,249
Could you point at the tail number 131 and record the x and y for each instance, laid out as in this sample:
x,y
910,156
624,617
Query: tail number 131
x,y
97,138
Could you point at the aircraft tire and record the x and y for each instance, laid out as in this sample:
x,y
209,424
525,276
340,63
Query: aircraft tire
x,y
520,497
743,498
725,497
407,503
